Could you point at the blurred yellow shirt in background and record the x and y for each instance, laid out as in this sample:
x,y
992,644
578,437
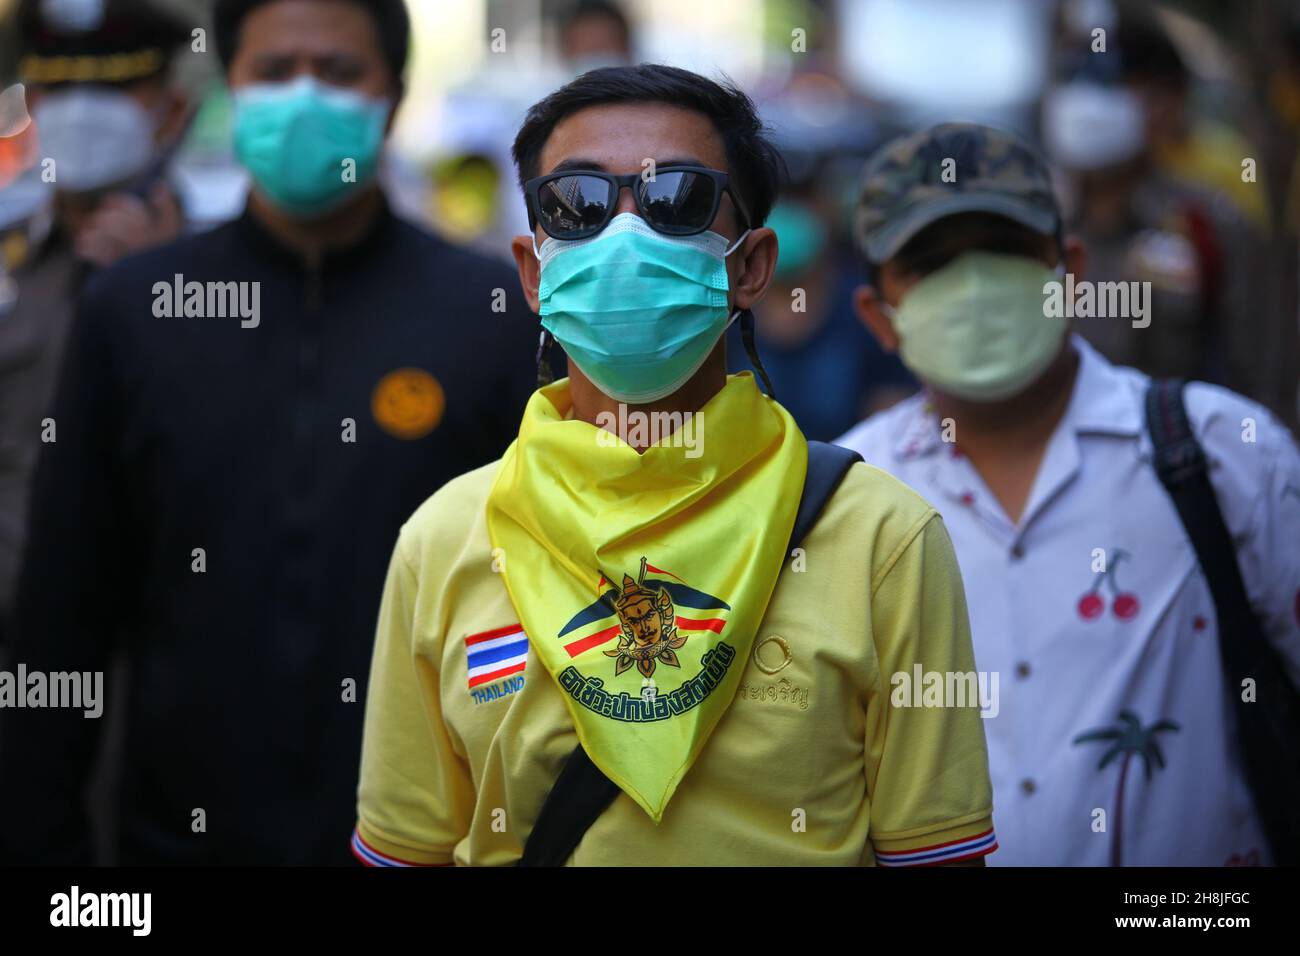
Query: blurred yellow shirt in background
x,y
1211,156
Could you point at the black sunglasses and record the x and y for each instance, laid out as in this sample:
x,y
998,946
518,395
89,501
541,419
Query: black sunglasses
x,y
678,201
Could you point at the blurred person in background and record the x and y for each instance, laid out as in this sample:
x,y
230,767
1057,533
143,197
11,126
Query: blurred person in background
x,y
232,465
1111,124
1186,143
1085,595
465,200
594,33
473,199
826,367
105,115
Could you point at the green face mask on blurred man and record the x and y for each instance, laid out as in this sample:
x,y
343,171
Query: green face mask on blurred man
x,y
308,145
977,328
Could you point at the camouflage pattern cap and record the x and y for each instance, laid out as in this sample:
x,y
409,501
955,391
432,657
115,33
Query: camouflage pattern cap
x,y
952,168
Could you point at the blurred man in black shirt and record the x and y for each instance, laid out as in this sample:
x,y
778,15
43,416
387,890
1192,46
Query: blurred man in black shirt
x,y
245,419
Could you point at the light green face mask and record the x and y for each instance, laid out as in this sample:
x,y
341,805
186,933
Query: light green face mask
x,y
977,328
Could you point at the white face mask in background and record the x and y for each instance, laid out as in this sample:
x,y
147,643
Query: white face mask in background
x,y
1088,126
96,136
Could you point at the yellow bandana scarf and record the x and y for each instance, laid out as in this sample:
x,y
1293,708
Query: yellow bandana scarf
x,y
641,579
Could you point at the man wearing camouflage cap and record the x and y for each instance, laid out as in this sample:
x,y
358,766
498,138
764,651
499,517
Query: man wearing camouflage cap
x,y
1085,596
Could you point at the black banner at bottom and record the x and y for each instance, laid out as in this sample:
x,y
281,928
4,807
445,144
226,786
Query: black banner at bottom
x,y
212,905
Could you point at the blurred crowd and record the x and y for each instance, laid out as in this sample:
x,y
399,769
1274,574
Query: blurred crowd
x,y
1175,156
1173,131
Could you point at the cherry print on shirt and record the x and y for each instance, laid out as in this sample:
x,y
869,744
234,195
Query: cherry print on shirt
x,y
1092,604
1125,605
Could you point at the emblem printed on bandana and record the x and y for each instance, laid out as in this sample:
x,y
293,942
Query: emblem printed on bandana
x,y
649,632
649,627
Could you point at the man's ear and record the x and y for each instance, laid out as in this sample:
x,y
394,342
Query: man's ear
x,y
399,94
530,270
758,266
866,302
175,115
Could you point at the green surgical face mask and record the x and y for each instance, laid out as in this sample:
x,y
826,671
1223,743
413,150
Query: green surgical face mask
x,y
309,146
638,311
801,236
977,328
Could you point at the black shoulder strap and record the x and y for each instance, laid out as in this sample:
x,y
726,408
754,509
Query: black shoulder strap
x,y
582,792
1267,726
827,466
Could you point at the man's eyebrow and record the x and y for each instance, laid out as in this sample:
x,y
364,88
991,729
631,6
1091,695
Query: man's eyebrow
x,y
682,161
566,165
578,163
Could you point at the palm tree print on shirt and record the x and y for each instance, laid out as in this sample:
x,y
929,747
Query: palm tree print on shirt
x,y
1128,737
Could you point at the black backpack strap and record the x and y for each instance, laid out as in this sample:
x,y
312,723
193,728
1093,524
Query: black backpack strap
x,y
582,792
827,466
1267,727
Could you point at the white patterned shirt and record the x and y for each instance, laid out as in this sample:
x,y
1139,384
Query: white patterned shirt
x,y
1094,614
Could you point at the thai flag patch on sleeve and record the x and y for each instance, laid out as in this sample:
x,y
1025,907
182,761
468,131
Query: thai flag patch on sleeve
x,y
495,654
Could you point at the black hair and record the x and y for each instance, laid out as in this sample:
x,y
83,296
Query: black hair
x,y
1146,52
582,9
753,162
392,24
944,240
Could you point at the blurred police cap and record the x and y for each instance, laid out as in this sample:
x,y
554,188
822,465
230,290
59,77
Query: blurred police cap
x,y
95,41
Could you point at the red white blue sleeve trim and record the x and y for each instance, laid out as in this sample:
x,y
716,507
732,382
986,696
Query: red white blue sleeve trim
x,y
964,849
369,856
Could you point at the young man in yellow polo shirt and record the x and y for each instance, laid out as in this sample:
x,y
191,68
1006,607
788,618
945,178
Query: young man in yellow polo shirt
x,y
618,645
